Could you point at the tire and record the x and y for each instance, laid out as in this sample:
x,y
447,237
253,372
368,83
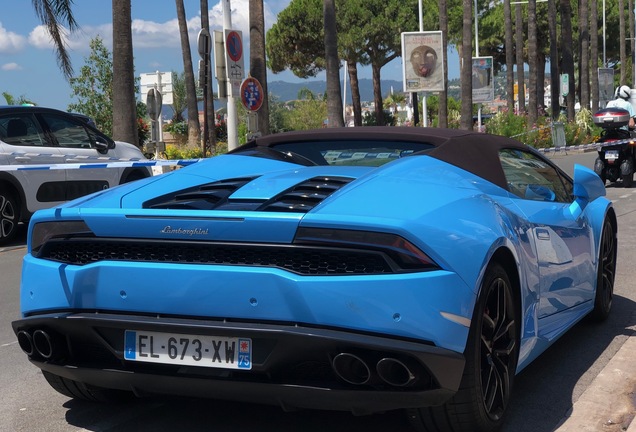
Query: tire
x,y
133,176
78,390
628,180
492,351
9,216
605,273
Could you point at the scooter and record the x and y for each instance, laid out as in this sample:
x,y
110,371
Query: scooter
x,y
615,162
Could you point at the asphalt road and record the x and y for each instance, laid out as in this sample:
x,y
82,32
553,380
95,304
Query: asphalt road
x,y
544,392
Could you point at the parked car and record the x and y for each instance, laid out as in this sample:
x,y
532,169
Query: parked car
x,y
31,135
358,269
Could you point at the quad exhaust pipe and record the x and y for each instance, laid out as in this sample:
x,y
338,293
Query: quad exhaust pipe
x,y
394,372
39,343
43,343
26,342
351,368
354,370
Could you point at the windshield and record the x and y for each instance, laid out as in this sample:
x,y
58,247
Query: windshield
x,y
352,152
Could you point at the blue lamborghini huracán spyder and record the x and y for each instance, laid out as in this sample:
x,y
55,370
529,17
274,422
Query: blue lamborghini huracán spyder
x,y
359,269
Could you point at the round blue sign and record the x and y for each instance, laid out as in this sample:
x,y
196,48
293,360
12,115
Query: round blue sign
x,y
234,46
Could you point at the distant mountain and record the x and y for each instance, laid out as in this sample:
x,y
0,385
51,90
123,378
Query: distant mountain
x,y
286,91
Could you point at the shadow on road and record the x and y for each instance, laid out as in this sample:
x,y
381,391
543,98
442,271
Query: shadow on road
x,y
544,393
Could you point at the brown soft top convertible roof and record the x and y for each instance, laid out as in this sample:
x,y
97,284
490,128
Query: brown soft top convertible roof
x,y
475,152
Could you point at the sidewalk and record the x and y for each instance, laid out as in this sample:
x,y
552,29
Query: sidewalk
x,y
609,403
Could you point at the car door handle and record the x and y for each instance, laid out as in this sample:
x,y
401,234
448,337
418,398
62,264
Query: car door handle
x,y
22,159
543,234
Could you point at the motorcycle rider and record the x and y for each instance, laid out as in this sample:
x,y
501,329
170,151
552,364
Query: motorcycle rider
x,y
617,161
621,100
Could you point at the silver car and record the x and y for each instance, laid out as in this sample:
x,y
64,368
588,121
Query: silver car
x,y
33,136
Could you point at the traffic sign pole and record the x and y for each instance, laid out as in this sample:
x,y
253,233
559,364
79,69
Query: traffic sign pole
x,y
232,124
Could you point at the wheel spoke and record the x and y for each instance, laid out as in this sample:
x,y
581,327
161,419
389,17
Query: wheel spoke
x,y
498,346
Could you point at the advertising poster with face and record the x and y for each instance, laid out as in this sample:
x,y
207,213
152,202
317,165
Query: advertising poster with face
x,y
423,61
483,85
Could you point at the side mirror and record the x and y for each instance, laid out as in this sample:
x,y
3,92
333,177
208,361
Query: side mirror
x,y
587,184
102,145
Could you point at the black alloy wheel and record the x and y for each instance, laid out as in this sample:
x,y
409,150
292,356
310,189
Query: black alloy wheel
x,y
492,351
606,273
9,216
499,347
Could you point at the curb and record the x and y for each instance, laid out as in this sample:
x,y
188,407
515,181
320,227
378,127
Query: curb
x,y
608,404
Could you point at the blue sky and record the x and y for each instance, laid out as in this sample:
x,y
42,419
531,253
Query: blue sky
x,y
28,64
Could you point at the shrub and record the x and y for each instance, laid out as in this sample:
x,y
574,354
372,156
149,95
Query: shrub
x,y
174,152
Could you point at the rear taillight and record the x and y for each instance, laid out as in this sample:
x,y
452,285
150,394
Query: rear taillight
x,y
404,253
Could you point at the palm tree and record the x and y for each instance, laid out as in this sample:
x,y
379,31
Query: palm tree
x,y
584,64
210,121
521,93
258,66
54,14
554,63
443,95
567,57
191,92
466,121
532,62
510,60
124,101
621,38
334,98
594,54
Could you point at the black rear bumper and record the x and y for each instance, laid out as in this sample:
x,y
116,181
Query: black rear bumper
x,y
292,365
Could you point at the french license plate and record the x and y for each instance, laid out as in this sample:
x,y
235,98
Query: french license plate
x,y
189,350
611,154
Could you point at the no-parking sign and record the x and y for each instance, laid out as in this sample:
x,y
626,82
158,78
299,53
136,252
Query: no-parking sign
x,y
252,94
234,55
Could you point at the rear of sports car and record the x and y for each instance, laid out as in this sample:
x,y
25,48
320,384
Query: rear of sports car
x,y
241,278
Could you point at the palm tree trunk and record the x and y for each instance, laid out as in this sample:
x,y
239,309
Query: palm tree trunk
x,y
334,93
510,59
532,63
567,57
377,94
584,43
209,97
594,54
632,38
443,95
352,70
621,38
191,93
554,60
466,121
541,59
124,100
258,67
520,63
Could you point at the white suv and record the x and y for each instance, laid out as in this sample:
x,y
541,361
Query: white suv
x,y
35,135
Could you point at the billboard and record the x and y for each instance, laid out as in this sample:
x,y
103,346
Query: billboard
x,y
423,61
483,83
